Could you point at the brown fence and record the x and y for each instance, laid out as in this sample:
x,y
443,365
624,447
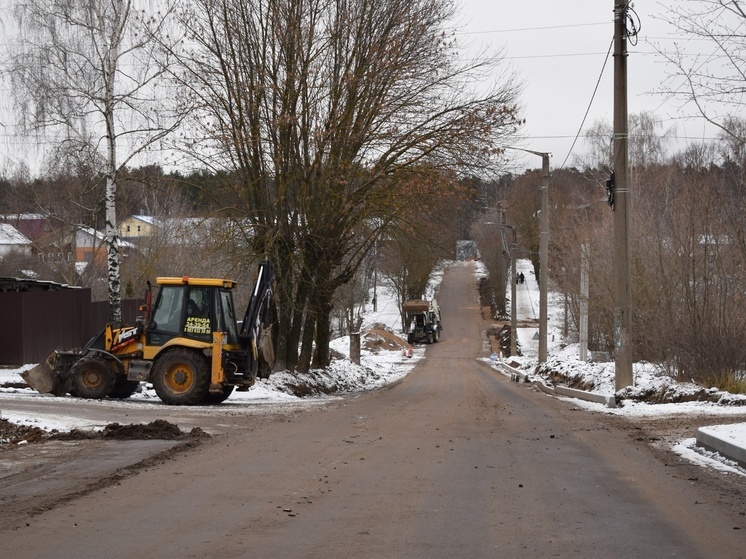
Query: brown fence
x,y
34,323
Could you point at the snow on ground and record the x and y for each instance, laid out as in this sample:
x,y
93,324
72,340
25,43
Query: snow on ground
x,y
381,366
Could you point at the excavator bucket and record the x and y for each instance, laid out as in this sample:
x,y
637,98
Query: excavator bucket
x,y
44,378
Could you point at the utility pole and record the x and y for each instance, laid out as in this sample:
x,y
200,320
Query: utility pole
x,y
544,258
543,251
584,273
513,300
501,251
622,275
375,275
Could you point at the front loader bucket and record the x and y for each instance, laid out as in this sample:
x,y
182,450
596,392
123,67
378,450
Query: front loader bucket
x,y
44,378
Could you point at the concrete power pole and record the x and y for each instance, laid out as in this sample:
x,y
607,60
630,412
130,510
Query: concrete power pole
x,y
622,275
513,288
543,251
544,259
584,273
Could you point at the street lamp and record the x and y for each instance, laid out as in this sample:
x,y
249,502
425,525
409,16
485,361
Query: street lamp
x,y
543,250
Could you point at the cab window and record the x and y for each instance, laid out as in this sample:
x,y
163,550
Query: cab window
x,y
227,316
197,322
167,313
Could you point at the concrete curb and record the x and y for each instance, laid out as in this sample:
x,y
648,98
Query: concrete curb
x,y
710,439
608,401
519,376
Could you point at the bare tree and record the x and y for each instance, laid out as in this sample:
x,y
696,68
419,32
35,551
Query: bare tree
x,y
647,143
598,140
709,82
87,72
312,106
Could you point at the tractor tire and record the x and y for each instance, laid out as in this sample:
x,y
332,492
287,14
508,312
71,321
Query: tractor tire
x,y
91,378
213,398
181,377
123,388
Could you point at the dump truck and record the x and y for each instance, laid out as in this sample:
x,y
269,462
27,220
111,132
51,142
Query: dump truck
x,y
188,344
422,321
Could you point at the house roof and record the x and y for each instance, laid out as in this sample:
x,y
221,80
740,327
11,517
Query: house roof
x,y
22,217
149,219
9,235
19,284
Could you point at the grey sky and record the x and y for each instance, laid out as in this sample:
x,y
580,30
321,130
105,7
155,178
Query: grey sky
x,y
559,48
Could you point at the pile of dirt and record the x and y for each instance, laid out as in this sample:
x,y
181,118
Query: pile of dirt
x,y
12,434
377,339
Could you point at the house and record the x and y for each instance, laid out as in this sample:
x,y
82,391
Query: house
x,y
76,244
178,231
11,239
138,226
90,245
34,226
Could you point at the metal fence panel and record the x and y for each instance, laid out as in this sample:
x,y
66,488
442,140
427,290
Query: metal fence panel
x,y
38,322
11,325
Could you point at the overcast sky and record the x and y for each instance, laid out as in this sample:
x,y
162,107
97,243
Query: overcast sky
x,y
559,48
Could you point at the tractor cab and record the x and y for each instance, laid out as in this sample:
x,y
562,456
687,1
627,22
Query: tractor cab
x,y
192,308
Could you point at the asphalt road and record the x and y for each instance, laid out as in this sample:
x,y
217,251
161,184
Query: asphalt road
x,y
452,461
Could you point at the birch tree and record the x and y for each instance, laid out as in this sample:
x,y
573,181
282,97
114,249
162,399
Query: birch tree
x,y
312,106
87,74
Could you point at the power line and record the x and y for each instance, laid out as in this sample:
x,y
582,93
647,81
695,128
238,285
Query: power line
x,y
567,136
590,103
561,55
522,29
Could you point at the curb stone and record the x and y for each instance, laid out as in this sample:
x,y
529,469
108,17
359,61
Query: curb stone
x,y
519,376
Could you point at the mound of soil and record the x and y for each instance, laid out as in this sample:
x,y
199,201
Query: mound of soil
x,y
12,434
377,339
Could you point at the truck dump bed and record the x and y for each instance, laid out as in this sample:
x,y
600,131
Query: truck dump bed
x,y
415,306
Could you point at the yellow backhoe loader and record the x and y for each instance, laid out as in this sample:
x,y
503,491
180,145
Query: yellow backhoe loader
x,y
188,345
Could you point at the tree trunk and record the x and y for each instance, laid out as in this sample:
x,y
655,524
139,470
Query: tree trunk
x,y
323,331
112,251
355,341
290,314
306,351
112,238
